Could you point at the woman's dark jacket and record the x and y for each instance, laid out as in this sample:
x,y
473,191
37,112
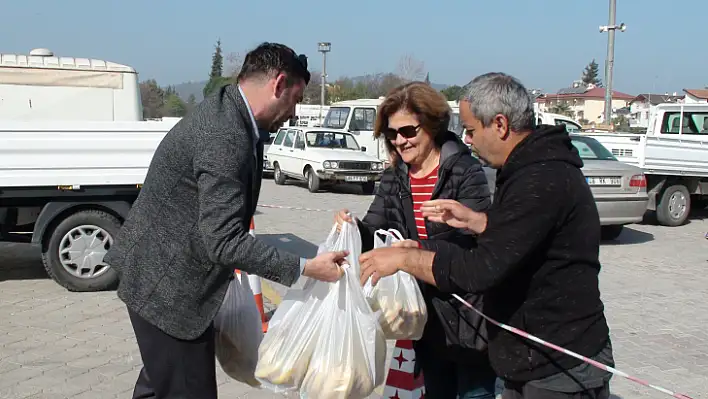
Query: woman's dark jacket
x,y
461,178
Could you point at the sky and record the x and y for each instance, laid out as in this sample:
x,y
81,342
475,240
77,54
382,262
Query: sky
x,y
545,43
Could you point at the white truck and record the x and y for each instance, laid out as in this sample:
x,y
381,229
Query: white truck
x,y
74,152
674,156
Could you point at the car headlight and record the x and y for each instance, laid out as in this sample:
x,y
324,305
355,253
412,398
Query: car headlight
x,y
330,164
376,166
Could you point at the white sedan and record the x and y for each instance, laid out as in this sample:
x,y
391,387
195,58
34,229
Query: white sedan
x,y
322,156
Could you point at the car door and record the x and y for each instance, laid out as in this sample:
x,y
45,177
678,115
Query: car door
x,y
275,153
288,164
298,154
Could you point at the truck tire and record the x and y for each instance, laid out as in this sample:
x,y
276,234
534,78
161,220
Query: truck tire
x,y
674,206
73,250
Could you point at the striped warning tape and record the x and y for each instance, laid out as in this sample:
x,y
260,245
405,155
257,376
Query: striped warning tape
x,y
295,208
573,354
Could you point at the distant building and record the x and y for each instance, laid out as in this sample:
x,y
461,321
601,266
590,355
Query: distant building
x,y
584,102
643,105
696,96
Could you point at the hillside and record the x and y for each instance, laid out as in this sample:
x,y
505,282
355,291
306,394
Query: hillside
x,y
184,90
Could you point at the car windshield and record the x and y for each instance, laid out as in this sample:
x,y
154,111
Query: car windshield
x,y
332,140
589,148
336,118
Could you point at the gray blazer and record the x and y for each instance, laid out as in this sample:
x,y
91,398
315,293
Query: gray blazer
x,y
188,229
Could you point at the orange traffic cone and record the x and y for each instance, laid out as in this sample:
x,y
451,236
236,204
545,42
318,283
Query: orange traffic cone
x,y
255,283
400,382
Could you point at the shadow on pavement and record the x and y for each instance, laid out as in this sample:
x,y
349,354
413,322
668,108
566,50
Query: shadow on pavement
x,y
20,261
630,236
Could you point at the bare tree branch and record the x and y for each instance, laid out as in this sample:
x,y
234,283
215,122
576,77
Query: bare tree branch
x,y
410,68
234,61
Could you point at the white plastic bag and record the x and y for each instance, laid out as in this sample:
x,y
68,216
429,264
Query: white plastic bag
x,y
238,332
397,298
324,339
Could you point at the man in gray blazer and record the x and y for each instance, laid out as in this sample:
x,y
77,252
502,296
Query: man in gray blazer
x,y
188,229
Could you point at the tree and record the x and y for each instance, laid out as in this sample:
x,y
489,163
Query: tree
x,y
591,73
216,80
562,108
427,78
453,93
153,98
191,103
409,68
313,92
174,106
217,62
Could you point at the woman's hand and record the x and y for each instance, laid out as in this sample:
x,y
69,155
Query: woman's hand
x,y
454,214
343,216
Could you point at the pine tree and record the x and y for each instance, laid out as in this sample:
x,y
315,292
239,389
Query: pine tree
x,y
427,78
216,79
591,73
217,62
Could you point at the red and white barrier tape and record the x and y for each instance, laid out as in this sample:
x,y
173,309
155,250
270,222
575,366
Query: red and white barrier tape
x,y
573,354
295,208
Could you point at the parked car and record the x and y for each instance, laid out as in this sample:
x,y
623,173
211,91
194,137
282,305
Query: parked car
x,y
321,157
620,190
267,166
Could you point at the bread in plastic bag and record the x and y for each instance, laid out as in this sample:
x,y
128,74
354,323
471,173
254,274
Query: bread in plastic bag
x,y
324,339
238,332
397,298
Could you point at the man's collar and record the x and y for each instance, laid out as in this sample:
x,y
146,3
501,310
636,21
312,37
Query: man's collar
x,y
256,134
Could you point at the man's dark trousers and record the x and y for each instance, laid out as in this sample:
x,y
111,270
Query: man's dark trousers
x,y
174,368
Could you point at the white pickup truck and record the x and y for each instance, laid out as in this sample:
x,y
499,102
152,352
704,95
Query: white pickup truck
x,y
674,156
74,152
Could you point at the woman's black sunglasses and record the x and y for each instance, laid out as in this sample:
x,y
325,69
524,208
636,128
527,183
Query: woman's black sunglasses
x,y
406,131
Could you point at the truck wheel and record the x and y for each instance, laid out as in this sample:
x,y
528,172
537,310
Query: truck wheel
x,y
368,188
73,253
674,206
278,175
313,181
611,232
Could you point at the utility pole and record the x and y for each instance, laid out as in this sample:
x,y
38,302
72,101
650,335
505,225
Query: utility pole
x,y
610,61
324,48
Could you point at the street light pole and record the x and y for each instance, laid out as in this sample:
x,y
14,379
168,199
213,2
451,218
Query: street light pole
x,y
324,48
610,61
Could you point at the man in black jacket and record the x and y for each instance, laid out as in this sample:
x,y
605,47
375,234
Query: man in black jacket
x,y
537,251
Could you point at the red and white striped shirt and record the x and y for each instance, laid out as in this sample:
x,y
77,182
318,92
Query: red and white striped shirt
x,y
422,190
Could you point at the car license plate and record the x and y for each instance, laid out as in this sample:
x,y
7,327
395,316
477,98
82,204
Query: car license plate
x,y
604,181
356,178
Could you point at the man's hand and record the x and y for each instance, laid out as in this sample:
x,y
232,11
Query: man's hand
x,y
343,216
326,266
454,214
406,244
381,262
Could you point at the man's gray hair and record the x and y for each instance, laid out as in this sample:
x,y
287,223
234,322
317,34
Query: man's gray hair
x,y
498,93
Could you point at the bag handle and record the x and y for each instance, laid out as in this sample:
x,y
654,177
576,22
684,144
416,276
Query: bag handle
x,y
396,234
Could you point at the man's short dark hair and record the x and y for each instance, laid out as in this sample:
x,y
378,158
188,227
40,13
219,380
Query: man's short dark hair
x,y
269,59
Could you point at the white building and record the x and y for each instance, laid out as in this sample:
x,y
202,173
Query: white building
x,y
643,105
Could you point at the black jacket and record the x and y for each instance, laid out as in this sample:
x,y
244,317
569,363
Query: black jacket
x,y
537,261
460,177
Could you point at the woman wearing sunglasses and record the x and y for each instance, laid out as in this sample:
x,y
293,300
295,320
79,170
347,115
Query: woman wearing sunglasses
x,y
430,162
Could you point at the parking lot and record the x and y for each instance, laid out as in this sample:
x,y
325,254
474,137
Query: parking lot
x,y
57,344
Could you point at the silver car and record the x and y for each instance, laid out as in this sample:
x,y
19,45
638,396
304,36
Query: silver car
x,y
620,190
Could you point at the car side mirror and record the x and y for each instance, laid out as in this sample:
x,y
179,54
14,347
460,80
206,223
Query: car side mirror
x,y
363,149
